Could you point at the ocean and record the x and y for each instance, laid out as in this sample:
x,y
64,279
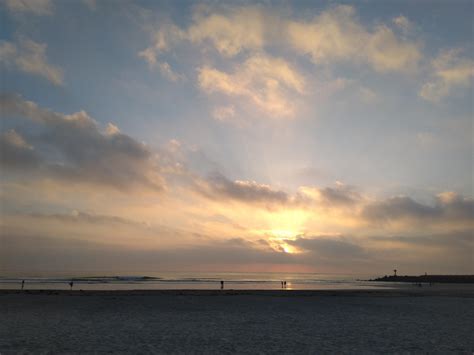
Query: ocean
x,y
190,280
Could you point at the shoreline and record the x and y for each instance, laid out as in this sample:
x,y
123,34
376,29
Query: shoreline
x,y
459,290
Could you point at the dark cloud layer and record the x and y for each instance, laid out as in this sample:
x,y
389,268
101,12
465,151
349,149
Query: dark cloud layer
x,y
76,254
71,147
401,208
340,196
15,153
460,239
245,191
329,247
218,186
21,246
80,217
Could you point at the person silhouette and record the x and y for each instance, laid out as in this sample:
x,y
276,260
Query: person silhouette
x,y
71,284
22,284
222,285
284,283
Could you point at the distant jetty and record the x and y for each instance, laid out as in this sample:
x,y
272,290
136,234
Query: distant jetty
x,y
455,279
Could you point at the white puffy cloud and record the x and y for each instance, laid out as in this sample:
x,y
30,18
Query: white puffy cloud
x,y
30,57
337,35
386,52
449,71
334,35
230,32
270,84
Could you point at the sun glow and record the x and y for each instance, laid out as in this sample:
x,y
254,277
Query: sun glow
x,y
279,239
289,249
283,226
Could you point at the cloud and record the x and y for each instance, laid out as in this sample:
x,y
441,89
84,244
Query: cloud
x,y
403,23
165,69
437,253
449,71
218,186
149,55
84,241
72,148
387,52
30,57
15,152
398,208
449,252
313,199
235,32
230,32
81,240
340,196
449,208
81,217
337,35
75,254
163,39
341,206
457,239
224,113
167,72
334,34
37,7
270,84
329,247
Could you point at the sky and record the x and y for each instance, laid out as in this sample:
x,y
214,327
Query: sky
x,y
286,136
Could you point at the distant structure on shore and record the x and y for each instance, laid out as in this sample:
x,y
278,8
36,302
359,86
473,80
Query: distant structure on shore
x,y
461,279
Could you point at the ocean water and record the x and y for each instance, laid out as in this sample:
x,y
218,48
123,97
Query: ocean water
x,y
192,280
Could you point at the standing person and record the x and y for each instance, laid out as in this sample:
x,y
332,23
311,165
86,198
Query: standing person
x,y
222,285
22,284
284,283
71,284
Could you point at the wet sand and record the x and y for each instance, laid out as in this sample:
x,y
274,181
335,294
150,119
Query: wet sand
x,y
437,319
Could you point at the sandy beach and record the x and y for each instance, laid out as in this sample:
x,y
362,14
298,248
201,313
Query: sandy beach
x,y
437,319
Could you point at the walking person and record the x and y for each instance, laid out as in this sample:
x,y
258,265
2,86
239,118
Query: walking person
x,y
22,284
222,285
71,284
